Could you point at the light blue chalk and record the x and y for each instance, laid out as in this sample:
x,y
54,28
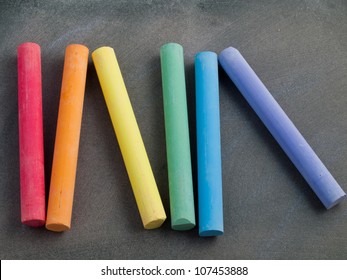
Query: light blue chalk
x,y
208,144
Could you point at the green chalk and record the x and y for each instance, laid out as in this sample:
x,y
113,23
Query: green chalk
x,y
177,137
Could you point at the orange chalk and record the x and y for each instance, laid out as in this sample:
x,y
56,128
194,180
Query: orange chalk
x,y
63,176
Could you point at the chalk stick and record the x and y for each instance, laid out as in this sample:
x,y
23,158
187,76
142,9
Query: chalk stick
x,y
67,138
177,137
210,198
282,128
32,177
129,138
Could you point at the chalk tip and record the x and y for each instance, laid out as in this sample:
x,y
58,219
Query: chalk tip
x,y
206,55
102,50
210,233
153,224
230,51
29,45
78,47
182,224
171,45
337,201
34,222
57,227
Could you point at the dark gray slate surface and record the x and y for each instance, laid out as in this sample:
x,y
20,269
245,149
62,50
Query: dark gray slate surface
x,y
298,49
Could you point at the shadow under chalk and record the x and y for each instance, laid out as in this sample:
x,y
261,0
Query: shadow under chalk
x,y
191,104
9,149
159,168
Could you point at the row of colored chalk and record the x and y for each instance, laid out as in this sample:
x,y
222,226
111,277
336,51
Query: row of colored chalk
x,y
132,148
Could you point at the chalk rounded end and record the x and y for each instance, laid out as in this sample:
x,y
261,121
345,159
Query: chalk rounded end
x,y
29,45
82,49
183,224
101,50
57,227
228,54
206,54
337,201
171,47
207,233
34,222
229,50
154,223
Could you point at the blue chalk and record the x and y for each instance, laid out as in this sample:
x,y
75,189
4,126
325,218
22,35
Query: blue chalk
x,y
281,127
208,144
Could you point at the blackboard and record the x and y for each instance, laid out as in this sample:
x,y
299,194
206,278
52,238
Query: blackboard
x,y
298,49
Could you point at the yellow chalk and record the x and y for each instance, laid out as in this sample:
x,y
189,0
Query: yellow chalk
x,y
129,138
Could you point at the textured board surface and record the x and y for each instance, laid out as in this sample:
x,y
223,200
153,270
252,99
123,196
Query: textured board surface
x,y
299,51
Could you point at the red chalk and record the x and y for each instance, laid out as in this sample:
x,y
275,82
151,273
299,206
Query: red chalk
x,y
32,178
